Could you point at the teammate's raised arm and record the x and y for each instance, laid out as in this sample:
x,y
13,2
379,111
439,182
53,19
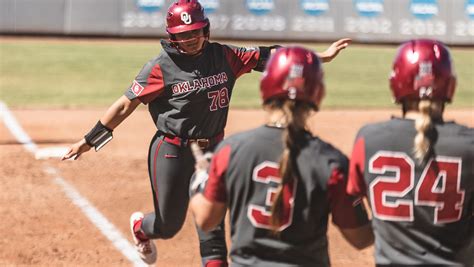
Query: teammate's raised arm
x,y
330,53
334,49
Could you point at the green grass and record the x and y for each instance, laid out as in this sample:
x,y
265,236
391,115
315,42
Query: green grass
x,y
89,74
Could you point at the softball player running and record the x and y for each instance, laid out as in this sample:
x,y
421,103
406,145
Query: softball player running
x,y
417,171
187,88
279,182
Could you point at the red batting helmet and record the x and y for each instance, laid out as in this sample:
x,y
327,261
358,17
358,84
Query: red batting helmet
x,y
186,15
293,73
422,69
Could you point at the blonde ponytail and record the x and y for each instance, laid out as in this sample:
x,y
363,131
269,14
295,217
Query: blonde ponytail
x,y
424,125
296,114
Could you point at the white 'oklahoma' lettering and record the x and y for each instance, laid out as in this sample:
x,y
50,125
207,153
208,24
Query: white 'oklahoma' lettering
x,y
196,84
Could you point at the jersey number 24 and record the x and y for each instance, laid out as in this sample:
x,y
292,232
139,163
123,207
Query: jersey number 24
x,y
267,173
439,186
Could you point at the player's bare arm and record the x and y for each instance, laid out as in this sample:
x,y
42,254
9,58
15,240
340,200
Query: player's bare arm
x,y
207,215
331,52
116,113
119,111
334,49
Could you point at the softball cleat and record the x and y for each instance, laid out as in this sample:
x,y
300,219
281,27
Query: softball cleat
x,y
145,247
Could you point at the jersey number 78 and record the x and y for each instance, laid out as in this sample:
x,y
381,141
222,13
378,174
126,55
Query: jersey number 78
x,y
439,186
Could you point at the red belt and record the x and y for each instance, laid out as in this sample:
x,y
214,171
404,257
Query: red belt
x,y
203,143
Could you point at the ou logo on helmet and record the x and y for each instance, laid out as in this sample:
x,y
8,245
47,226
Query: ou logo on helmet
x,y
260,7
186,18
149,6
470,9
424,9
315,7
369,8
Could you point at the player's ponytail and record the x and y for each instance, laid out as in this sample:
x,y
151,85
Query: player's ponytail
x,y
296,114
424,126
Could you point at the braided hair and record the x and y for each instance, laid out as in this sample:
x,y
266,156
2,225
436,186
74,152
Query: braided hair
x,y
429,110
296,114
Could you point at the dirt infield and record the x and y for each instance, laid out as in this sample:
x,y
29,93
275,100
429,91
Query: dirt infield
x,y
41,226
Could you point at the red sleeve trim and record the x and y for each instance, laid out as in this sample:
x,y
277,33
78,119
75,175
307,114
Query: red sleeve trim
x,y
346,211
155,85
242,60
215,188
356,183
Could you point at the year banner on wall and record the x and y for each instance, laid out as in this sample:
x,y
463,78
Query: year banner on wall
x,y
373,21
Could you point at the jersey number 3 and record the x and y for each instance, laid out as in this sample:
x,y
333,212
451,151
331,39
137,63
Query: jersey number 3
x,y
267,173
439,186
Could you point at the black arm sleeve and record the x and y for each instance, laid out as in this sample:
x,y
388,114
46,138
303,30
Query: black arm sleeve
x,y
265,52
98,136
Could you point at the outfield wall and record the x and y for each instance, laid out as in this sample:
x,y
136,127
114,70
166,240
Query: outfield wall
x,y
372,21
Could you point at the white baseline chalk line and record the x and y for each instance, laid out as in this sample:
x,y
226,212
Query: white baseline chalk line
x,y
95,216
16,130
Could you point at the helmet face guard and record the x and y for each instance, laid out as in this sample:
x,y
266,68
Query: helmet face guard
x,y
422,69
186,16
293,73
180,44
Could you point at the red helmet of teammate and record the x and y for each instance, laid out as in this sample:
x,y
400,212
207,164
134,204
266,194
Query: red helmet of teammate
x,y
185,16
422,69
293,73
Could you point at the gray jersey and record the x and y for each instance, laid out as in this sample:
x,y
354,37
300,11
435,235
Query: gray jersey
x,y
189,96
244,174
422,212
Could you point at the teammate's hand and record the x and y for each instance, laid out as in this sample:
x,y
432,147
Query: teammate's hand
x,y
76,150
334,49
202,160
200,176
